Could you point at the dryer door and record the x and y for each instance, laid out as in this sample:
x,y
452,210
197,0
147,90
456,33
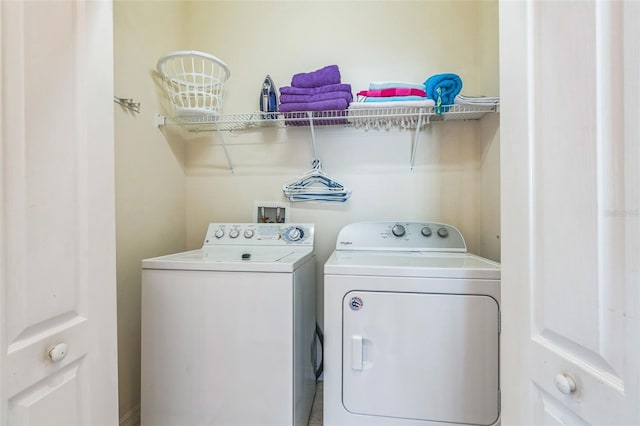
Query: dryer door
x,y
421,356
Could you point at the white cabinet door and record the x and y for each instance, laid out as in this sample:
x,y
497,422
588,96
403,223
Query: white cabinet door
x,y
569,168
57,253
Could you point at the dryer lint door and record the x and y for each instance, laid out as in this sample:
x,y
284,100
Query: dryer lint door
x,y
431,357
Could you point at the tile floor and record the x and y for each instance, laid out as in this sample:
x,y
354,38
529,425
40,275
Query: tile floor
x,y
315,419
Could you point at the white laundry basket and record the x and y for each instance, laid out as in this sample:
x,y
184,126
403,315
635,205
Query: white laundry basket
x,y
194,82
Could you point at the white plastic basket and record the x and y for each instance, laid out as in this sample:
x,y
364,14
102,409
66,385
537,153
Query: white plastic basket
x,y
194,82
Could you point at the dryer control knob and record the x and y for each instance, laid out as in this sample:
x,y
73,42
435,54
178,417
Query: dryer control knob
x,y
234,233
249,233
426,231
398,230
219,233
443,232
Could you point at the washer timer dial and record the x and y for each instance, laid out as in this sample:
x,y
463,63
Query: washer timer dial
x,y
294,234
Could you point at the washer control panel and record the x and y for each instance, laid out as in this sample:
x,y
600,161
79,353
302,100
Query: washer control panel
x,y
401,236
260,234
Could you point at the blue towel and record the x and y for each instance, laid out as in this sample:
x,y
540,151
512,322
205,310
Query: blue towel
x,y
443,89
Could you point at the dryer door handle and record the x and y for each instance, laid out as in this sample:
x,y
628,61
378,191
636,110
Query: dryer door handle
x,y
356,352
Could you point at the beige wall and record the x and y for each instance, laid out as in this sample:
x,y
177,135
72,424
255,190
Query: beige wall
x,y
150,193
455,178
172,183
489,135
490,188
369,40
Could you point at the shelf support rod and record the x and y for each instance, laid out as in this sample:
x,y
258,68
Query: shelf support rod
x,y
226,153
416,136
313,133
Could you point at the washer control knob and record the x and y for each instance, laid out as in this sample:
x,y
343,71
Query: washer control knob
x,y
219,233
443,232
398,230
249,233
234,233
426,231
293,234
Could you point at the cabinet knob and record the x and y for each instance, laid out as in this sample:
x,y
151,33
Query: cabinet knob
x,y
58,352
565,383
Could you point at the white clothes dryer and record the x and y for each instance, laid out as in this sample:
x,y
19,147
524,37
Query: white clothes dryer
x,y
228,330
411,328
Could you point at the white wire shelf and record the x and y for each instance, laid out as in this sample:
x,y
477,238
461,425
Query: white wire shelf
x,y
378,118
375,118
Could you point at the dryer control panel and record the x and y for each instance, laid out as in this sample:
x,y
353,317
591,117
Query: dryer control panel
x,y
259,234
401,236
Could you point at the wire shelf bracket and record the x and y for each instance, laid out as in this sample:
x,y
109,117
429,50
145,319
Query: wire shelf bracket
x,y
128,103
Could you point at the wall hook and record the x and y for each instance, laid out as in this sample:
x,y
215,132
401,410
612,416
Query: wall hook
x,y
127,103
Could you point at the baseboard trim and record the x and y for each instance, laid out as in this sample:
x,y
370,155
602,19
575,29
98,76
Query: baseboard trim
x,y
131,417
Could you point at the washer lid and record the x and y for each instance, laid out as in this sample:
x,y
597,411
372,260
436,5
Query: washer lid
x,y
411,264
234,258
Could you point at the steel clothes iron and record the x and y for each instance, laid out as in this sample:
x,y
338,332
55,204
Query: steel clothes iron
x,y
268,98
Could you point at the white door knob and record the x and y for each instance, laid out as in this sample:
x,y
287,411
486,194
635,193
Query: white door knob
x,y
565,383
58,352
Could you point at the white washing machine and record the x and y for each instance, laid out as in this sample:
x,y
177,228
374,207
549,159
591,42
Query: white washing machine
x,y
411,328
228,331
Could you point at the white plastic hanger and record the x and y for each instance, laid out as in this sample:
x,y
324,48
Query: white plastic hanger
x,y
316,185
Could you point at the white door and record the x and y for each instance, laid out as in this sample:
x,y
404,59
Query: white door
x,y
430,357
57,250
570,120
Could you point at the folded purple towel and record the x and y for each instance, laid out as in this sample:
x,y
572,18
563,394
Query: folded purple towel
x,y
328,105
340,87
321,77
314,98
